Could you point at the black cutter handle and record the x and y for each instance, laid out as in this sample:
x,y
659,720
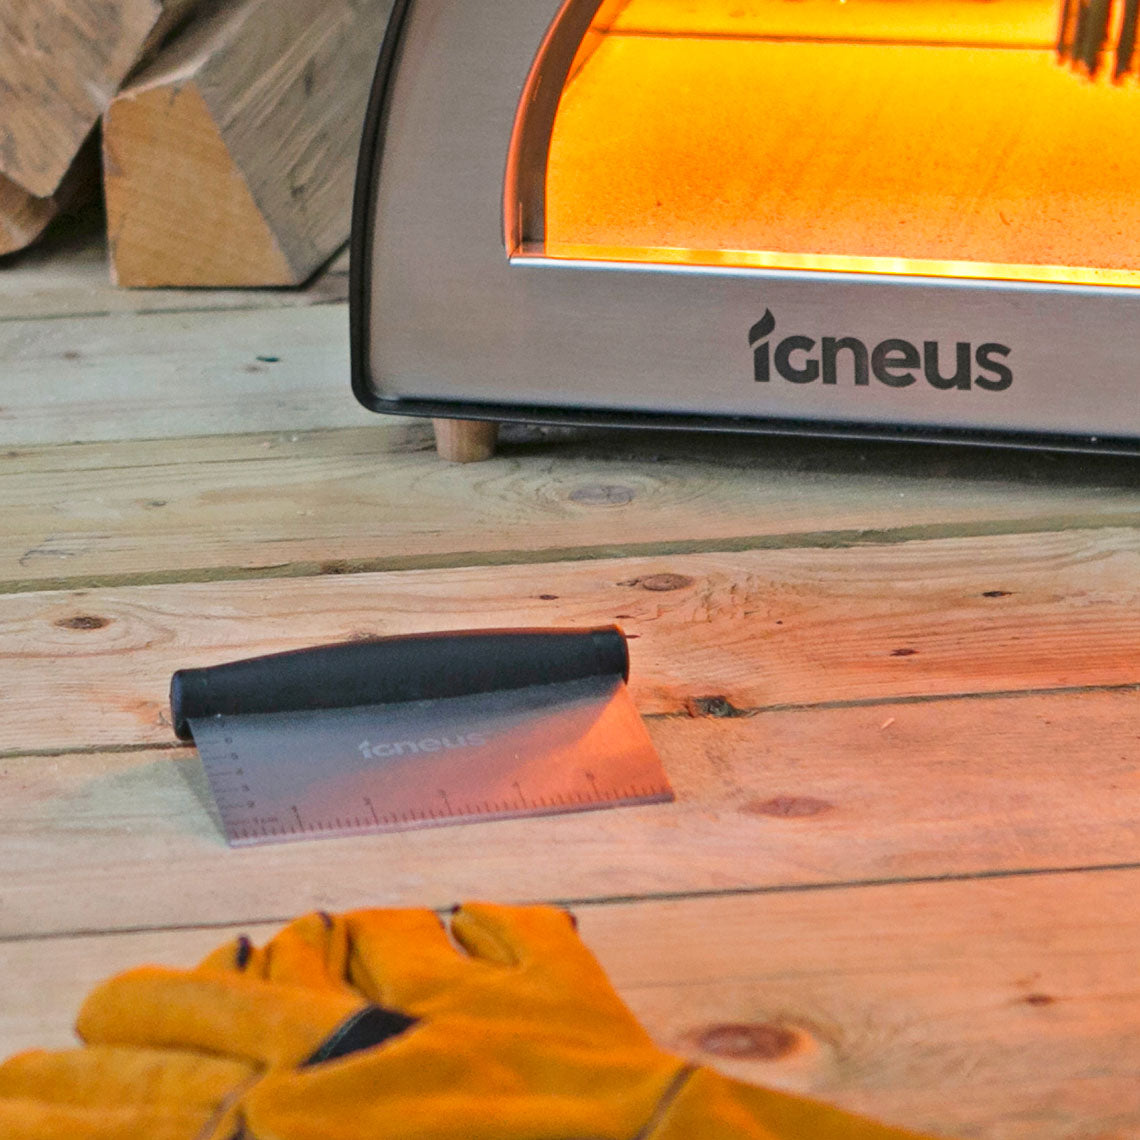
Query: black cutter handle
x,y
392,669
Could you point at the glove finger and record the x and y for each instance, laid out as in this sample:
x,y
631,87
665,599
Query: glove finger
x,y
401,959
235,956
543,943
533,936
312,951
27,1120
226,1014
117,1077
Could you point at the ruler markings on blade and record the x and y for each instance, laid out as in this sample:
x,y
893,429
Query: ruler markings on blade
x,y
543,750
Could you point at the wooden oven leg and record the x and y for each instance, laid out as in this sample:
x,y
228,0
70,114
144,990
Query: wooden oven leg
x,y
465,441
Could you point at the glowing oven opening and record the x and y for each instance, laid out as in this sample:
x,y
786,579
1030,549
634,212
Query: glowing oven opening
x,y
936,137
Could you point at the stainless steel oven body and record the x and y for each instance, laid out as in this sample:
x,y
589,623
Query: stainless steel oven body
x,y
458,311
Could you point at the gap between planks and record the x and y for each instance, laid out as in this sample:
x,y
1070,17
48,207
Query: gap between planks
x,y
274,922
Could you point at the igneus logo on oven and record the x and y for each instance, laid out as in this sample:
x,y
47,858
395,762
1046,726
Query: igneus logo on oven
x,y
895,362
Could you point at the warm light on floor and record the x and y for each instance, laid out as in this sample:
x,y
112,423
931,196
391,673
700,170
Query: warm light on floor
x,y
794,136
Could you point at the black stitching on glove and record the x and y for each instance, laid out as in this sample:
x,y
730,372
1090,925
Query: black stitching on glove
x,y
244,952
371,1026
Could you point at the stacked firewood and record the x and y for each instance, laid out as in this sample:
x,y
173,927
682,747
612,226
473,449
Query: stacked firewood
x,y
224,132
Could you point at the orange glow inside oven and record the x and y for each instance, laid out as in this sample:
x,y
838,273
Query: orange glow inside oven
x,y
933,137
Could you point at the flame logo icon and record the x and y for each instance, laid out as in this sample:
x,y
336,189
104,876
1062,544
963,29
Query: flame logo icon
x,y
762,329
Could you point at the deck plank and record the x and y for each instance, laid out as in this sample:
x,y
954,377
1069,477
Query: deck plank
x,y
175,374
1002,1009
377,497
788,799
756,629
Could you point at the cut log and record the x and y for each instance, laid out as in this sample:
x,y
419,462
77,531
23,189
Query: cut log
x,y
24,217
61,63
230,160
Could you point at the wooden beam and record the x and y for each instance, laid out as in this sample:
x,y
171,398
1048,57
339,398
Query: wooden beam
x,y
230,161
61,63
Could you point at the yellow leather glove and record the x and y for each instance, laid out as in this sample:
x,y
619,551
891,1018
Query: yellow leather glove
x,y
156,1069
119,1094
517,1034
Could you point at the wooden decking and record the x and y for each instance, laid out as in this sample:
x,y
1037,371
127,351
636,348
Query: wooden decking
x,y
896,690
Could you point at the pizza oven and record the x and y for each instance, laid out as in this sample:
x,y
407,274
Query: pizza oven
x,y
856,217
